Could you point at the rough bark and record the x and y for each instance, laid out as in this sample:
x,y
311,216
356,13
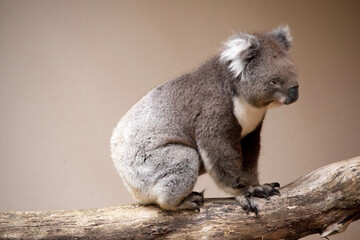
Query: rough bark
x,y
324,201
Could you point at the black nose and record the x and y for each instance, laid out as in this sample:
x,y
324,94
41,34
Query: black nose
x,y
293,95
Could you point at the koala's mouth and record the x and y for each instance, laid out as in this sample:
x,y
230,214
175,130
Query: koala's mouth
x,y
281,102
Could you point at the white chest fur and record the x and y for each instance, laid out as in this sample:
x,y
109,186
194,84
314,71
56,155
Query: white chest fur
x,y
248,116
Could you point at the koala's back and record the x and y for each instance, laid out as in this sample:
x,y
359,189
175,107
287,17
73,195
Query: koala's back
x,y
161,115
168,112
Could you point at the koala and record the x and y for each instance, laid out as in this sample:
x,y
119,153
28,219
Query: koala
x,y
207,121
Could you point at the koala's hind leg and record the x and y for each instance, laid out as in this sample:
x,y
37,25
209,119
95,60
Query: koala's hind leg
x,y
177,176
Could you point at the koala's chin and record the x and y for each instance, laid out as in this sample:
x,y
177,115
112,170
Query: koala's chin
x,y
275,104
208,120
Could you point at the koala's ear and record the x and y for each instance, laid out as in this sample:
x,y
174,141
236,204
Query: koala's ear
x,y
238,50
283,36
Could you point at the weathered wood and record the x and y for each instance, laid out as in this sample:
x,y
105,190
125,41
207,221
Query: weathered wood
x,y
324,201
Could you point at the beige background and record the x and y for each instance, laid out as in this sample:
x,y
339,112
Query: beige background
x,y
70,69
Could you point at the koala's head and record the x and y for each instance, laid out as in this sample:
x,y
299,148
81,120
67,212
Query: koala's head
x,y
262,71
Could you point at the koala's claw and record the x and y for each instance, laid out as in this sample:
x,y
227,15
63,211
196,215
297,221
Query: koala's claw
x,y
265,191
247,200
248,203
239,186
192,202
197,198
274,184
260,193
251,206
197,209
255,210
275,192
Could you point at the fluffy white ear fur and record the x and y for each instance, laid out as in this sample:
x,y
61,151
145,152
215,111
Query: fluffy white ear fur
x,y
233,48
285,31
283,35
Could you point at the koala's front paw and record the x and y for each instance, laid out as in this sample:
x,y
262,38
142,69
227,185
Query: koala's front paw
x,y
247,200
264,191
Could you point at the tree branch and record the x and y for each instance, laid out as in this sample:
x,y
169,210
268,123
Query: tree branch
x,y
324,201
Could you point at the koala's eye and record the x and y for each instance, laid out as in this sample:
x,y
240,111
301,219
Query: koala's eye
x,y
274,82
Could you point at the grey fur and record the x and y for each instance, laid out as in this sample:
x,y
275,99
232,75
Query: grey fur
x,y
188,126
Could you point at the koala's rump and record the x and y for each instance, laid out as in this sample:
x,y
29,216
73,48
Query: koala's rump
x,y
149,140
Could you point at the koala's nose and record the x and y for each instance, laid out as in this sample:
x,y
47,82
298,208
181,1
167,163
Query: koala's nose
x,y
293,95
